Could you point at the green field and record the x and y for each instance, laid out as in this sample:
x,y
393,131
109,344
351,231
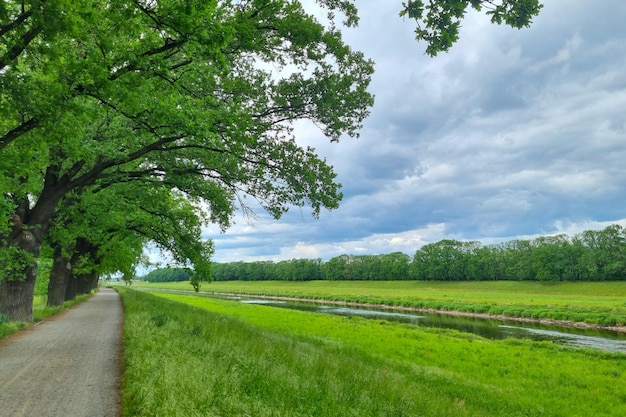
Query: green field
x,y
601,303
194,356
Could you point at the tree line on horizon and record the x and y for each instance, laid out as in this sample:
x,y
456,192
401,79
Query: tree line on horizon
x,y
587,256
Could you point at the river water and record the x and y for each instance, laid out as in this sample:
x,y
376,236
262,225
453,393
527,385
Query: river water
x,y
491,329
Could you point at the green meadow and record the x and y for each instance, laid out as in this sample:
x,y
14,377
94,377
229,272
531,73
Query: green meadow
x,y
194,356
602,303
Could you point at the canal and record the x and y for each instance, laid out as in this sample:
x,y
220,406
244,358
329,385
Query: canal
x,y
491,329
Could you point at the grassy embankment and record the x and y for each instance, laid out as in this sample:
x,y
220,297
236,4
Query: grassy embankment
x,y
193,356
40,312
602,303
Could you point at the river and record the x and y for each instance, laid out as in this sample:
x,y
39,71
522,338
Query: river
x,y
491,329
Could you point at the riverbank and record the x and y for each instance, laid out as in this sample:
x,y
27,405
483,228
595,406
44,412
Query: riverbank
x,y
189,355
485,316
600,306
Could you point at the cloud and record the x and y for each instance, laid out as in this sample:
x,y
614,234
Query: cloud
x,y
512,133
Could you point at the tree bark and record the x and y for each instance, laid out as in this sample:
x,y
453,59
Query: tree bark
x,y
83,283
71,288
16,296
59,275
94,280
17,287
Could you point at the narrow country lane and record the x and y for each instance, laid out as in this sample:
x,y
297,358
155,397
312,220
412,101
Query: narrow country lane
x,y
67,366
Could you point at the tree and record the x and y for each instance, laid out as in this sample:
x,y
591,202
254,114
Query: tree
x,y
167,275
395,266
604,257
106,229
200,96
176,93
337,268
519,262
552,259
443,260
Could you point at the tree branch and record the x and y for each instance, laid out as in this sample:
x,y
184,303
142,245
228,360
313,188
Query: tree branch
x,y
20,46
4,29
16,132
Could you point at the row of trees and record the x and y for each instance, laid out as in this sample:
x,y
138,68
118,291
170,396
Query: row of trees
x,y
125,122
588,256
167,275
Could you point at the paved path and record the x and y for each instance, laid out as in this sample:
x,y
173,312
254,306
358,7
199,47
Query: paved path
x,y
67,366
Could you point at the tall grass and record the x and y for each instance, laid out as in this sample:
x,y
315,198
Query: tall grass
x,y
219,358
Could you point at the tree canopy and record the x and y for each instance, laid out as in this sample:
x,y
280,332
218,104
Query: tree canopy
x,y
195,98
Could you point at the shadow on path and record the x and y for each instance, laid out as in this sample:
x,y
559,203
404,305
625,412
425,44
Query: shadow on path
x,y
65,367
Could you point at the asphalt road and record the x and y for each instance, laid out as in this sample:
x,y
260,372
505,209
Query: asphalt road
x,y
67,366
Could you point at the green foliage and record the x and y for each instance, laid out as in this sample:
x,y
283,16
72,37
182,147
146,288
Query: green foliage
x,y
41,311
14,261
167,275
438,22
195,99
588,256
43,277
160,319
179,111
7,327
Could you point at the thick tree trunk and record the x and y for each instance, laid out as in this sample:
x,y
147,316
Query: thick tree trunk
x,y
16,296
84,284
94,280
17,285
29,229
71,288
59,275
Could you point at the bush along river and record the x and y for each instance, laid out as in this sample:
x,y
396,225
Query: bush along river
x,y
488,328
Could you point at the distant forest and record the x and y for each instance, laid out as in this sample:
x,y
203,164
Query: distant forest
x,y
588,256
167,275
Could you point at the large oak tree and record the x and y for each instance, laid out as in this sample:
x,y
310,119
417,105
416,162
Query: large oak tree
x,y
199,95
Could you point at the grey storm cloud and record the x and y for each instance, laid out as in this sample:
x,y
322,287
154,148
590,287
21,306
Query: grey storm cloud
x,y
512,133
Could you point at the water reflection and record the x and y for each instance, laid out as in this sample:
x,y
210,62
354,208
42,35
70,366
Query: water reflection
x,y
578,340
491,329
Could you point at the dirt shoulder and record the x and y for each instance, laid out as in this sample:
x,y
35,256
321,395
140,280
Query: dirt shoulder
x,y
67,366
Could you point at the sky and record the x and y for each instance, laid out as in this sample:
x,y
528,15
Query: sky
x,y
512,134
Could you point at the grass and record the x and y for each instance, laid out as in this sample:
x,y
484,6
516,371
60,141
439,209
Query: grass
x,y
40,312
193,356
602,303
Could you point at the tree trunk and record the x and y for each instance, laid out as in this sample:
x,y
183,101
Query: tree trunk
x,y
17,285
84,283
71,288
59,275
94,280
27,234
16,296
